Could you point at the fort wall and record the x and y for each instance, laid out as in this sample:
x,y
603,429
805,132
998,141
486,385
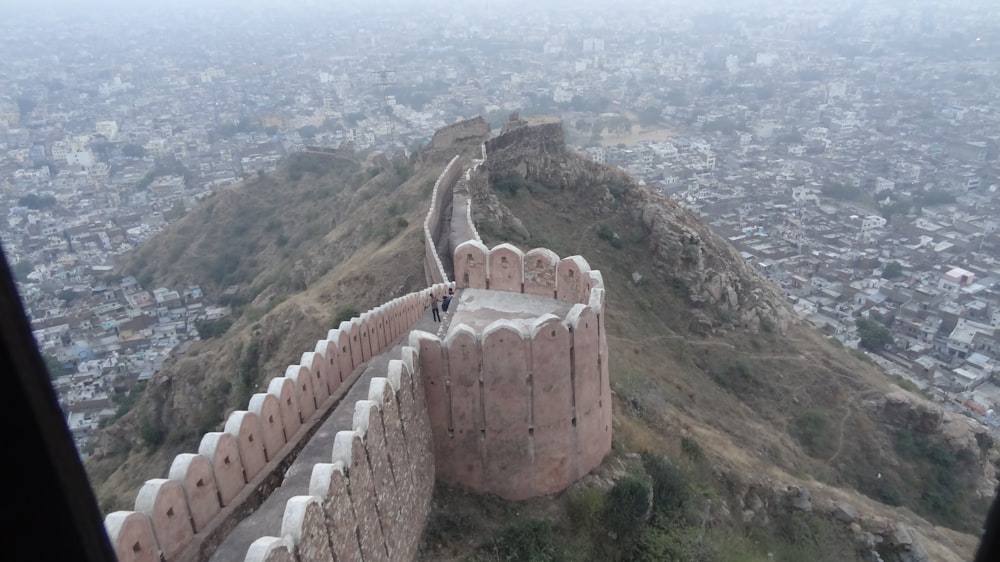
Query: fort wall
x,y
520,409
372,501
441,197
186,515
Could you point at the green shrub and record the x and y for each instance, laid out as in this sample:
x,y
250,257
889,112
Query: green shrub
x,y
670,491
626,505
344,314
585,507
691,448
813,431
530,540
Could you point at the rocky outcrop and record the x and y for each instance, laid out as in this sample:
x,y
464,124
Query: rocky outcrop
x,y
724,291
904,411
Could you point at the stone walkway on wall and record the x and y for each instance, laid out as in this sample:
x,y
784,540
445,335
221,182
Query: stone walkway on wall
x,y
266,521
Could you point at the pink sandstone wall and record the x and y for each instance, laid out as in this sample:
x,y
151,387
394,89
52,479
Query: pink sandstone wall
x,y
441,195
372,501
184,510
514,411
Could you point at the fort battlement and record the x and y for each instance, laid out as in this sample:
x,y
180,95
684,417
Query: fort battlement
x,y
205,494
518,394
514,400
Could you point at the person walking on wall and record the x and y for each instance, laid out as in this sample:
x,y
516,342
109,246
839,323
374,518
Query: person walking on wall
x,y
446,301
435,303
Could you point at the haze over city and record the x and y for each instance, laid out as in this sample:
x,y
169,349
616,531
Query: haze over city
x,y
848,153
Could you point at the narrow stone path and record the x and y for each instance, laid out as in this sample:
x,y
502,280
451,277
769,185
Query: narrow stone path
x,y
266,520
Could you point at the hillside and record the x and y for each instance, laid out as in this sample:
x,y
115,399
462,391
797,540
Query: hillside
x,y
706,357
764,437
292,252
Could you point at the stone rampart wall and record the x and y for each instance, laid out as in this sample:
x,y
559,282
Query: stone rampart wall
x,y
186,515
521,410
440,198
536,272
372,501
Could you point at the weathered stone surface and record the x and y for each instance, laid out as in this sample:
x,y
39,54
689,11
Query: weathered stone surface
x,y
582,323
284,390
304,393
555,460
131,535
329,484
271,549
194,474
466,464
572,280
344,362
268,410
368,424
540,272
349,450
507,405
245,427
505,269
313,363
164,503
223,452
470,265
305,524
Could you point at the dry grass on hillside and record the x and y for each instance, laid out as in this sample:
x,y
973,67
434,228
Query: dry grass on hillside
x,y
784,404
300,248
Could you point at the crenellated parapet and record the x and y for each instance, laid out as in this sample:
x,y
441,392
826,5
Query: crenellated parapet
x,y
441,197
371,501
208,492
519,406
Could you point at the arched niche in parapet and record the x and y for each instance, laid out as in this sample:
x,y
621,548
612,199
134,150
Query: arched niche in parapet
x,y
304,392
352,328
540,272
471,264
164,503
223,452
268,410
552,405
349,450
304,522
506,269
132,537
507,407
194,474
271,549
314,364
328,483
573,280
284,390
582,323
364,335
341,341
327,351
466,424
245,427
378,325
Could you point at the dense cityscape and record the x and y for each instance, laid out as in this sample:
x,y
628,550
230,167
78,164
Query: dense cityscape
x,y
850,153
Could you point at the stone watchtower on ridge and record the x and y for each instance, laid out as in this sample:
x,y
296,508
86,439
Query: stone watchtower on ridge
x,y
517,392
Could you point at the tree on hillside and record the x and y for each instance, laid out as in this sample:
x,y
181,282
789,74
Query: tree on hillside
x,y
133,151
841,191
37,203
874,336
892,270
